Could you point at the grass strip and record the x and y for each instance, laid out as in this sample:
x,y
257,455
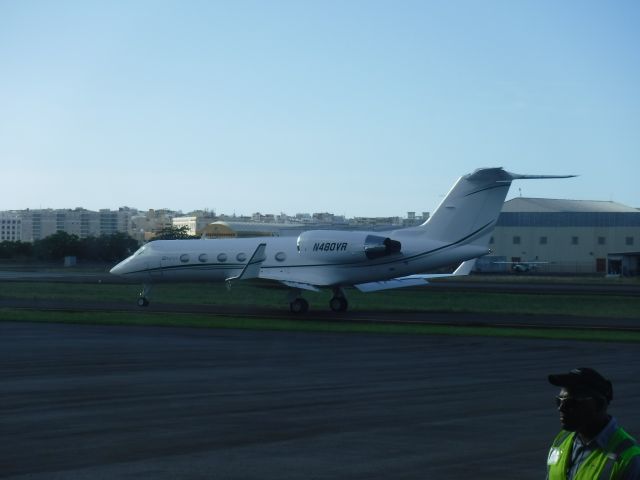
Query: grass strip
x,y
255,323
426,300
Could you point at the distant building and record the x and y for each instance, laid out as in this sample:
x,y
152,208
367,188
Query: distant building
x,y
145,225
385,222
223,229
413,220
565,236
10,227
195,224
38,224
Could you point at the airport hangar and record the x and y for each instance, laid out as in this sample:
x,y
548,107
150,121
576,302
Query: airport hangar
x,y
566,236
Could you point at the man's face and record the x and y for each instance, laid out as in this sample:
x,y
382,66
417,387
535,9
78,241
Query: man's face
x,y
577,409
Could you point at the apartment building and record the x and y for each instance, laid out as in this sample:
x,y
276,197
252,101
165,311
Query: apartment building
x,y
10,227
35,225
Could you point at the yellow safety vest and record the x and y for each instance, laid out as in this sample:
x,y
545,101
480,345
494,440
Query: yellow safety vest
x,y
601,464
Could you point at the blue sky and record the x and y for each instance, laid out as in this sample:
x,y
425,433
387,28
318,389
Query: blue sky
x,y
360,108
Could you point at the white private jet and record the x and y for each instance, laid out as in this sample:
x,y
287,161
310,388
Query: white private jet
x,y
458,231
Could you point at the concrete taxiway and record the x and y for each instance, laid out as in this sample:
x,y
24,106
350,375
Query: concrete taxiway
x,y
87,402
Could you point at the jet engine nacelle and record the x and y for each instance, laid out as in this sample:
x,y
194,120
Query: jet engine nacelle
x,y
336,245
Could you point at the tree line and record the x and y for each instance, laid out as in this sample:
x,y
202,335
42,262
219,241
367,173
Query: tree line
x,y
107,248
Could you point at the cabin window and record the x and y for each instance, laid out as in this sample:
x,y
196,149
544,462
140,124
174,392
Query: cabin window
x,y
543,240
222,257
203,257
241,257
184,258
516,240
281,256
575,241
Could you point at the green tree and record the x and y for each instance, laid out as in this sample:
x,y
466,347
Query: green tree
x,y
117,246
108,248
15,249
57,246
173,233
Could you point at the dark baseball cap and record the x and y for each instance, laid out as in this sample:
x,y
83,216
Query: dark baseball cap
x,y
584,379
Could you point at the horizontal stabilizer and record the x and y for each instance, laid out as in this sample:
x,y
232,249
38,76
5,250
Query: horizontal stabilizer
x,y
516,176
501,175
252,268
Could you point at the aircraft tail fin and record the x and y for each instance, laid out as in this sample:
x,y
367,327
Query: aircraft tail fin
x,y
470,210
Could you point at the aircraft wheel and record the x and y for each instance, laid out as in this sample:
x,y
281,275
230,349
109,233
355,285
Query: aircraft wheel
x,y
299,305
143,302
339,304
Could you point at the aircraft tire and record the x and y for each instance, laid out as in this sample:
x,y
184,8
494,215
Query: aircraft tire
x,y
143,302
299,305
339,304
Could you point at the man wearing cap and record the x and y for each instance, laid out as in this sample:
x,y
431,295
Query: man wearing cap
x,y
591,445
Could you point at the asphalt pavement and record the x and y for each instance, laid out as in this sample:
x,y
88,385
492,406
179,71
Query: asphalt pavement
x,y
92,402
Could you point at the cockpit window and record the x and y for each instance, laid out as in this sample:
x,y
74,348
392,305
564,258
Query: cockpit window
x,y
141,251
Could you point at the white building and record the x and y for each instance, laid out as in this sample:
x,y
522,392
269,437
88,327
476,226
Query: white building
x,y
195,225
39,224
10,227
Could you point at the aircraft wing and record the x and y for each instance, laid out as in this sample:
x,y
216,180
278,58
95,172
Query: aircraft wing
x,y
300,285
464,268
414,280
400,282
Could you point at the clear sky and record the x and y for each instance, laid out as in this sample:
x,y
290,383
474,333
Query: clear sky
x,y
362,108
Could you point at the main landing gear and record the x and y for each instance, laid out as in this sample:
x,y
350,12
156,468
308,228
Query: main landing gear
x,y
338,302
299,305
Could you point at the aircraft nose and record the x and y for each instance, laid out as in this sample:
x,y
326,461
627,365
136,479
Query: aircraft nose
x,y
117,270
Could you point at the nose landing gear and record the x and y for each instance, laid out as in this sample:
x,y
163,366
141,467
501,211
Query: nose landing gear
x,y
143,301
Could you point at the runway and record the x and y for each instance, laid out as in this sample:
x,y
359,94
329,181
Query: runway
x,y
92,402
